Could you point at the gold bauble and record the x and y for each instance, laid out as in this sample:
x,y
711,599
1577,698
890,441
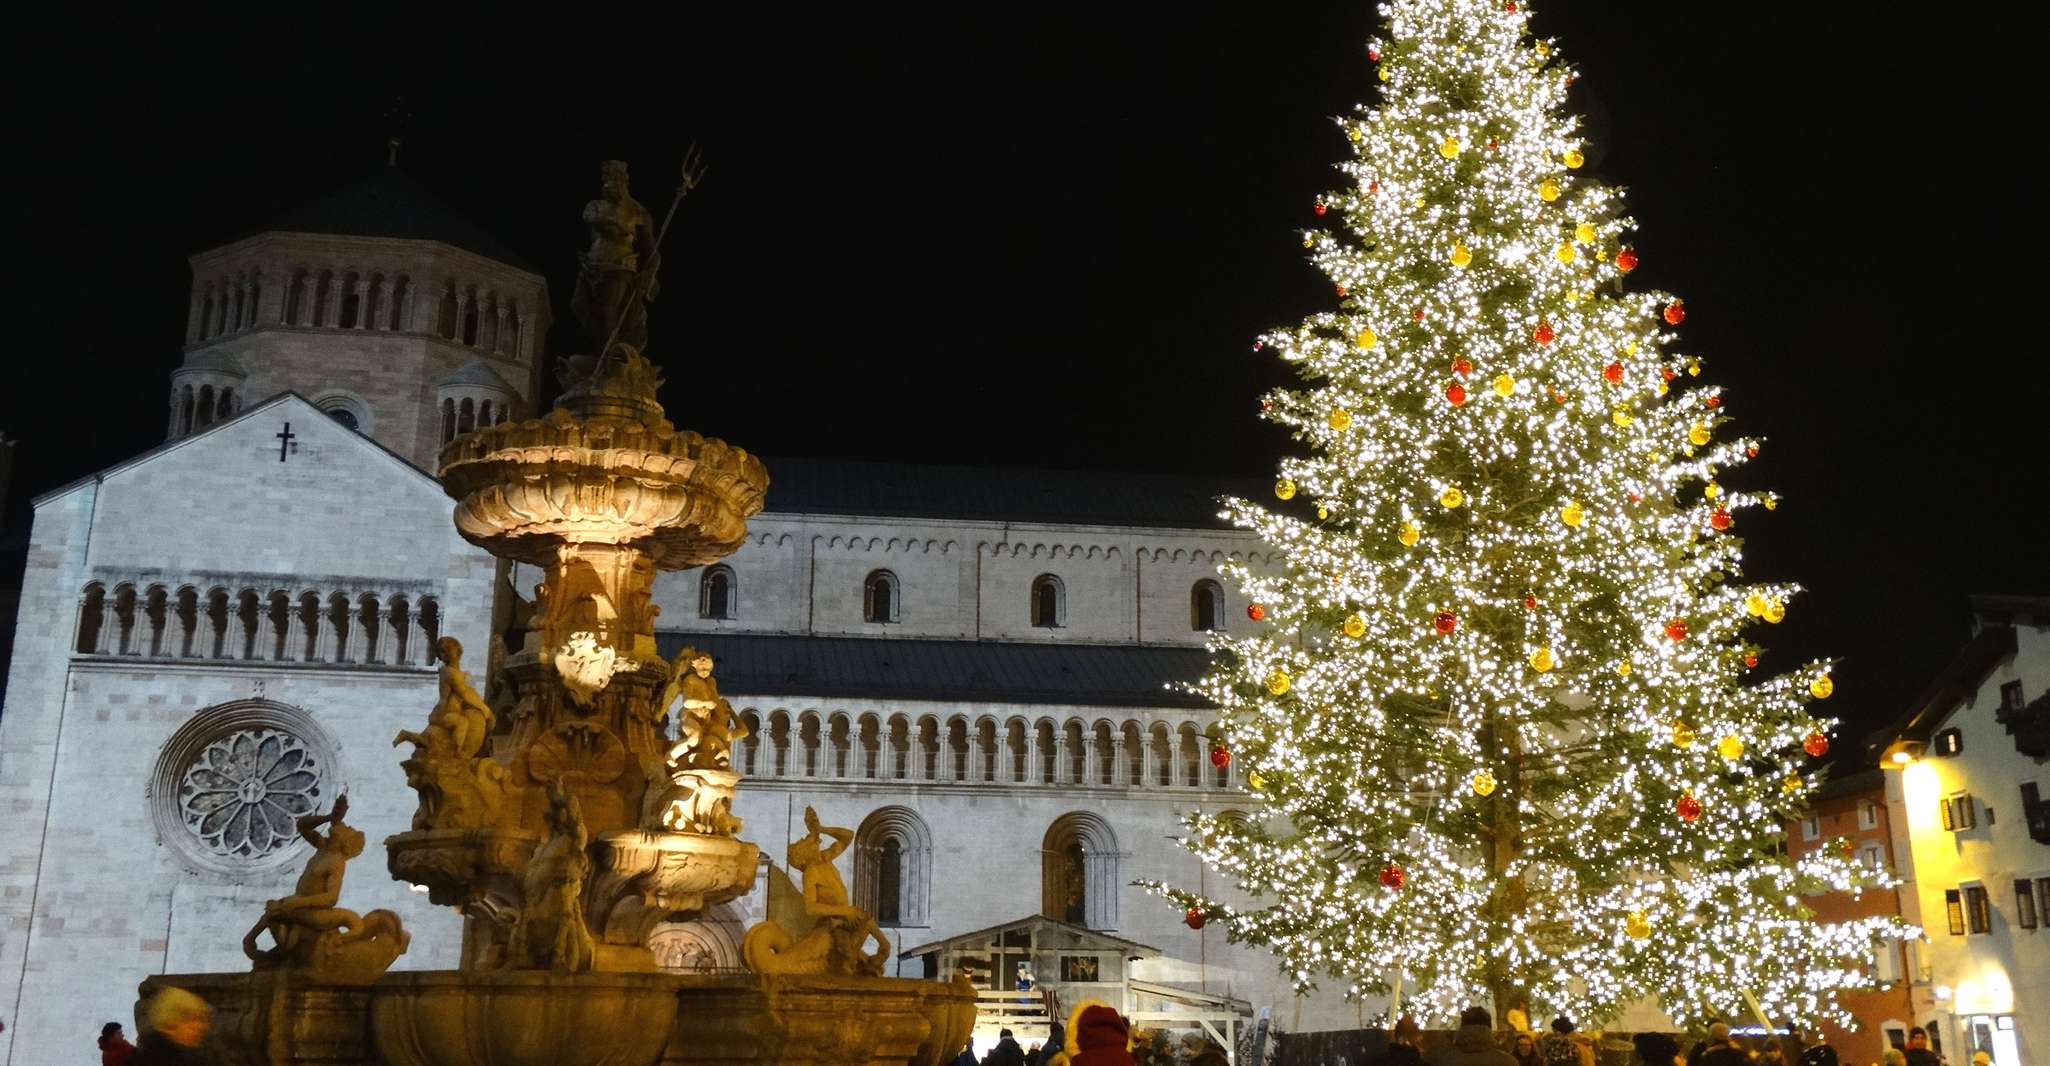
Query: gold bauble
x,y
1565,254
1573,159
1623,668
1284,489
1341,419
1483,783
1662,390
1730,747
1584,233
1451,497
1384,74
1711,490
1354,133
1821,687
1461,255
1309,242
1698,435
1409,535
1637,925
1693,368
1254,781
1549,191
1354,626
1365,338
1323,512
1277,682
1621,417
1449,148
1775,612
1571,514
1505,385
1541,660
1683,734
1542,48
1772,503
1754,605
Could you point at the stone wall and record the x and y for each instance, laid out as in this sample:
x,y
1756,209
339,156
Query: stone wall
x,y
104,877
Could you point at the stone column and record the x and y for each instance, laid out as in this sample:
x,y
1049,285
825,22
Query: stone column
x,y
1090,769
498,311
1120,766
193,324
383,303
974,757
462,314
1062,772
331,309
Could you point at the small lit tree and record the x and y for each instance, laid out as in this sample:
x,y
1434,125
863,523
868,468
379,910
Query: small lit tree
x,y
1502,709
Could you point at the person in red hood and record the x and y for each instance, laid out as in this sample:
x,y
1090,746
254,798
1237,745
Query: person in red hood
x,y
1098,1036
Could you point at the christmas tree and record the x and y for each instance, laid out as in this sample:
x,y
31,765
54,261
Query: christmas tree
x,y
1504,709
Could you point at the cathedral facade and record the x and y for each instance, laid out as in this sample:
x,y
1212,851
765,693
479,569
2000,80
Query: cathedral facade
x,y
979,671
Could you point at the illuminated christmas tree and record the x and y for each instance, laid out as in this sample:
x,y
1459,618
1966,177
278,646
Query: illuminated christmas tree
x,y
1503,706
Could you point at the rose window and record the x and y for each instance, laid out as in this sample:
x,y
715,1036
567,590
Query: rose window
x,y
241,794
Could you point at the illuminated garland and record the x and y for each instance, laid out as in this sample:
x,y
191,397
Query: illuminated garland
x,y
1516,612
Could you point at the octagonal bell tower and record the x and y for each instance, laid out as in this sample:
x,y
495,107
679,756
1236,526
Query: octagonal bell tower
x,y
370,302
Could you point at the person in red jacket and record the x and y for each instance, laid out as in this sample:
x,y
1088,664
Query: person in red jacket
x,y
114,1048
1098,1036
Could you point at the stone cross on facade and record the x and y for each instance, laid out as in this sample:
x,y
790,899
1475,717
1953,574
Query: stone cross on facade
x,y
285,438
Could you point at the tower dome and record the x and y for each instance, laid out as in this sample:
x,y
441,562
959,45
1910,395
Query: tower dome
x,y
475,395
367,301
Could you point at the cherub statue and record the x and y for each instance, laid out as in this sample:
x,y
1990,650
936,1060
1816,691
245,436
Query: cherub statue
x,y
307,928
706,726
460,720
551,932
834,945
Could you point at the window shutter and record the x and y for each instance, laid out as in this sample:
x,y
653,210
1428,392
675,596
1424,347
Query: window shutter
x,y
1967,815
2024,903
1954,908
1948,825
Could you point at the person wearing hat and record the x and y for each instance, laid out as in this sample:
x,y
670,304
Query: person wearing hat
x,y
1982,1058
115,1050
177,1023
1474,1043
1098,1036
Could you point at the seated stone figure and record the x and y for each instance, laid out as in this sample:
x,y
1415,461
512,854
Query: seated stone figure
x,y
834,945
309,931
706,726
550,932
459,789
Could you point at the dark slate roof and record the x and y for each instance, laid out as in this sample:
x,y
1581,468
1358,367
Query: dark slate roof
x,y
961,671
390,203
909,490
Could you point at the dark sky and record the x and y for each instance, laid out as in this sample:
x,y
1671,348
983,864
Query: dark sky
x,y
1046,234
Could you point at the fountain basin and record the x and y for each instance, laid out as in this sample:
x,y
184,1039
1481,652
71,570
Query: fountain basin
x,y
522,1018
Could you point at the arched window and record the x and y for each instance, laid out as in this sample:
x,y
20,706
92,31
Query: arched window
x,y
1206,606
92,617
295,299
346,417
373,318
226,404
879,597
893,867
255,299
206,317
402,293
1079,872
186,411
352,302
715,593
323,288
446,315
448,421
206,406
470,321
1049,602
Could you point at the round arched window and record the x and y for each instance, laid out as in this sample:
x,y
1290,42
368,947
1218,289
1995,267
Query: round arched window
x,y
346,417
232,783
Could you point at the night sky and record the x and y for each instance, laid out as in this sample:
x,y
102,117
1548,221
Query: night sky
x,y
1045,235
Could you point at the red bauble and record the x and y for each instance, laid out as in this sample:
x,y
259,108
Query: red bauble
x,y
1676,630
1751,452
1194,917
1613,373
1220,758
1494,145
1445,622
1751,662
1320,208
1266,405
1711,402
1530,603
1419,314
1392,876
1510,7
1455,394
1666,373
1676,313
1719,520
1816,745
1688,808
1257,346
1558,397
1373,187
1340,288
1255,611
1626,260
1543,334
1462,366
1637,497
1373,55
